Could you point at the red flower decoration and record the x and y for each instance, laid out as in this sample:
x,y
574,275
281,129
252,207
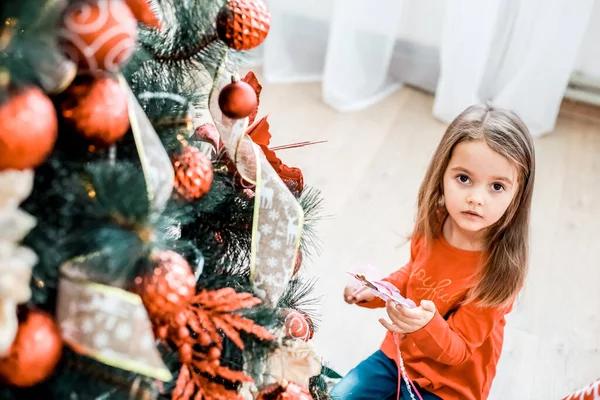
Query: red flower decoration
x,y
259,133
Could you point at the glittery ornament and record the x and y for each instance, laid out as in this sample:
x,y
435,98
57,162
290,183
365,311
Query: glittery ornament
x,y
28,129
238,99
243,24
99,34
168,287
297,325
193,173
97,109
34,353
311,324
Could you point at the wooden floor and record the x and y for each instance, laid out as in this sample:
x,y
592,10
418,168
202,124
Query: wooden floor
x,y
369,171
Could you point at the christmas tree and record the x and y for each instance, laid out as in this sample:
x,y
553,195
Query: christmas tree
x,y
150,236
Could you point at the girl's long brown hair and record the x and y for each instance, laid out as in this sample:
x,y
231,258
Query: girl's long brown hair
x,y
502,273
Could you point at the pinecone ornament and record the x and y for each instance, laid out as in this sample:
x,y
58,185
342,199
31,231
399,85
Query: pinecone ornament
x,y
193,173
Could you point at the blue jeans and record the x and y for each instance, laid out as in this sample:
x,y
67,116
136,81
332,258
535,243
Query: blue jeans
x,y
376,378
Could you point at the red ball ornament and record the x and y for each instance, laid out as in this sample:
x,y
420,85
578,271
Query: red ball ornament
x,y
297,325
243,24
168,287
34,353
193,173
99,34
28,129
97,109
142,11
237,100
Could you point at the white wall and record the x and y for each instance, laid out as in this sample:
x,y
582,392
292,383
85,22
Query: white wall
x,y
589,54
421,22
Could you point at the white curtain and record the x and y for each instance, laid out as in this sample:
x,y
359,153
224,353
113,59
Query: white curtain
x,y
517,54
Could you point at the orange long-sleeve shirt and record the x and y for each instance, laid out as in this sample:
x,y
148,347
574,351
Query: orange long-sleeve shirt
x,y
590,392
455,355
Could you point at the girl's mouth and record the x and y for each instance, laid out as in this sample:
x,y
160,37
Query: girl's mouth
x,y
472,214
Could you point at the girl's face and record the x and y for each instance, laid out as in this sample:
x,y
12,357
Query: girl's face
x,y
479,185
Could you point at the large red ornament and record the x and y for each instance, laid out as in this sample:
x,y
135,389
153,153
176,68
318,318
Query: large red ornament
x,y
193,173
99,34
97,109
142,11
34,353
243,24
238,99
284,391
168,287
28,129
297,326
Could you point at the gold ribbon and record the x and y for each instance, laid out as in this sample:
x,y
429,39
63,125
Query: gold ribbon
x,y
106,323
278,217
156,165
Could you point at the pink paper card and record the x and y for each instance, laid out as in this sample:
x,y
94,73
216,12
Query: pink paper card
x,y
384,290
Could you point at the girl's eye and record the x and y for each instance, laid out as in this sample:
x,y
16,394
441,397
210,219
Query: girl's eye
x,y
463,179
497,187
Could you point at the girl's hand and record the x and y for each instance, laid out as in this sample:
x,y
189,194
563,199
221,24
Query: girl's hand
x,y
408,320
353,296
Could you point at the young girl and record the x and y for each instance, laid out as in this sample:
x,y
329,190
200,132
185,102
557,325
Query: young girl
x,y
469,254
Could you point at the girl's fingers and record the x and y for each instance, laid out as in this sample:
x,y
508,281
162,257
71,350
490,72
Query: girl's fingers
x,y
390,327
362,294
359,291
393,313
409,313
398,312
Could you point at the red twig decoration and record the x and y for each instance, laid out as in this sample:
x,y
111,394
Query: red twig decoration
x,y
197,331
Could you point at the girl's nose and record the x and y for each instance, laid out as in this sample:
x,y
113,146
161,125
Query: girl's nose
x,y
475,198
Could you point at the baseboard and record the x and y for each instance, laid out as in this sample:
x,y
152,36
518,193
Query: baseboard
x,y
581,110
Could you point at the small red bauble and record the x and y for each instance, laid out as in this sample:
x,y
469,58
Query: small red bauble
x,y
168,287
193,173
28,129
142,11
99,34
243,24
96,108
34,353
297,325
237,100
